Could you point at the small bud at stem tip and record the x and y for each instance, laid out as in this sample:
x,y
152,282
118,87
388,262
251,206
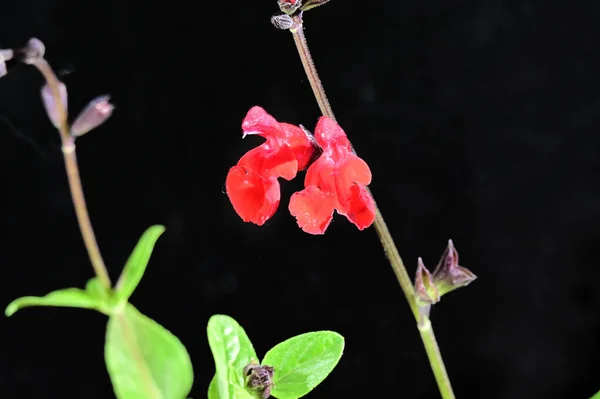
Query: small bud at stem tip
x,y
96,113
33,51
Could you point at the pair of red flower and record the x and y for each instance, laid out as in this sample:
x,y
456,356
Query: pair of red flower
x,y
335,181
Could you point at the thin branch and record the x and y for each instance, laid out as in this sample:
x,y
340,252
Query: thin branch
x,y
68,149
380,226
424,324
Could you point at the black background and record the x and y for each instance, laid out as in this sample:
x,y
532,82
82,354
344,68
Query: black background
x,y
479,120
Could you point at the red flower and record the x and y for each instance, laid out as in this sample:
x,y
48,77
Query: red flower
x,y
252,184
336,181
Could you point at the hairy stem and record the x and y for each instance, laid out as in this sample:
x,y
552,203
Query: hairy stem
x,y
68,149
389,247
309,67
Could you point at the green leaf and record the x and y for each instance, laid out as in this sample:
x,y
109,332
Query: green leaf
x,y
213,389
232,351
243,393
68,297
144,360
302,362
238,393
95,289
136,264
596,396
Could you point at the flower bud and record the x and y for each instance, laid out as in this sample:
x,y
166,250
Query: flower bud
x,y
282,21
33,51
289,6
448,275
425,289
2,65
51,105
260,379
92,116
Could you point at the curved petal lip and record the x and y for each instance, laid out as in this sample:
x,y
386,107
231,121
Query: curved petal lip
x,y
254,198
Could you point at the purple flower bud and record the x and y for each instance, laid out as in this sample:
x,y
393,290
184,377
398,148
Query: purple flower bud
x,y
425,289
259,378
33,51
2,65
282,21
51,106
448,275
92,116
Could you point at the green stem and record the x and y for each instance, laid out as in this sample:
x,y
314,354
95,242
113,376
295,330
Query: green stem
x,y
435,359
72,168
85,225
427,335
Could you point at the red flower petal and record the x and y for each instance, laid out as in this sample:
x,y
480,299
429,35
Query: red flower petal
x,y
254,198
322,174
299,142
313,209
341,177
252,185
352,170
258,121
271,161
330,135
279,135
359,207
